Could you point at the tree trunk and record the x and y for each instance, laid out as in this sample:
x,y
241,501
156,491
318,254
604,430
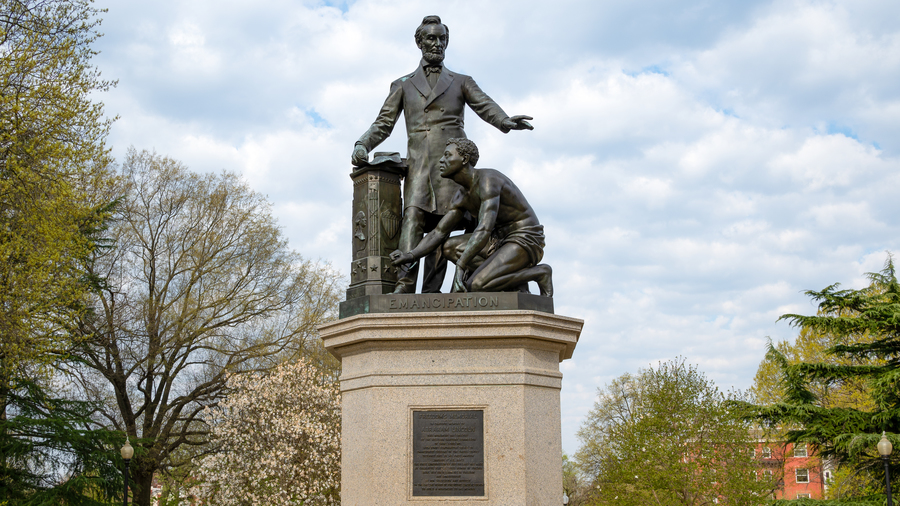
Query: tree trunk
x,y
142,483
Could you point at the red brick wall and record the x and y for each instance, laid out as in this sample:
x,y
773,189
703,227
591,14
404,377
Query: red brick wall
x,y
784,464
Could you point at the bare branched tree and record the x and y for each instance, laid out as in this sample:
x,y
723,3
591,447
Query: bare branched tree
x,y
199,283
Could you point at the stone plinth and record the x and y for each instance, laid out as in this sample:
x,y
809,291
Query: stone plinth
x,y
504,364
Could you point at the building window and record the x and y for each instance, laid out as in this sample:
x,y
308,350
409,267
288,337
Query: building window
x,y
802,475
827,476
803,496
800,450
766,452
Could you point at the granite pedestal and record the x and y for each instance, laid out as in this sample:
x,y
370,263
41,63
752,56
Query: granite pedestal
x,y
452,408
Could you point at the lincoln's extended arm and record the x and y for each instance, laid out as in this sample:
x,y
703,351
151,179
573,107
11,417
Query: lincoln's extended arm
x,y
488,110
383,125
483,105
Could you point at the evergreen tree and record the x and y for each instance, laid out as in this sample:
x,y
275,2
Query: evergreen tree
x,y
51,455
866,323
812,346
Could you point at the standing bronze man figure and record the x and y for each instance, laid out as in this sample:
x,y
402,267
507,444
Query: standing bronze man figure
x,y
433,101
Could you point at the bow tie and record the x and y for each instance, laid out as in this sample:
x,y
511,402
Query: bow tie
x,y
432,69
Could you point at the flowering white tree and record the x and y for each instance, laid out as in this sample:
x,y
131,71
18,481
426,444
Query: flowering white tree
x,y
278,440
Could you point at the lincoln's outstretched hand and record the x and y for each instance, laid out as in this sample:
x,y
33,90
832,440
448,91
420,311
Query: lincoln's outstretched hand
x,y
517,123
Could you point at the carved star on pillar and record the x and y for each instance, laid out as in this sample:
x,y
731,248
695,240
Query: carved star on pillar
x,y
374,268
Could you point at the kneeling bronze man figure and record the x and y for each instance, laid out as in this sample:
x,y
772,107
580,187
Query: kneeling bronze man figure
x,y
503,252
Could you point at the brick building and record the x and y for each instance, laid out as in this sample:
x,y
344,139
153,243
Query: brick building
x,y
799,471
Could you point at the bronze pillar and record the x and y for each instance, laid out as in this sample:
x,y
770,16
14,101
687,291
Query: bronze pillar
x,y
377,210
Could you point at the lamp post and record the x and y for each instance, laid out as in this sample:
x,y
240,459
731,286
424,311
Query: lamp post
x,y
127,453
884,449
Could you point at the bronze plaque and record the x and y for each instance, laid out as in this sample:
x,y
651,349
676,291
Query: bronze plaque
x,y
448,453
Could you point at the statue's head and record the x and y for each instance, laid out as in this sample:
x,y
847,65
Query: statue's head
x,y
432,37
466,149
459,153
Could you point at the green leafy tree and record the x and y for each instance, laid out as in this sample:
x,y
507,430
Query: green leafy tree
x,y
812,346
54,173
574,486
667,436
53,169
199,284
866,326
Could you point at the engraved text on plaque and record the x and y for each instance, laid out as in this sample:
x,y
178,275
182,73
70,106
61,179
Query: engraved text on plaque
x,y
448,453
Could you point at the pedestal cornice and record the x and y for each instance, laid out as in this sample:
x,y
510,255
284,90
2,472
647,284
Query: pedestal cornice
x,y
487,325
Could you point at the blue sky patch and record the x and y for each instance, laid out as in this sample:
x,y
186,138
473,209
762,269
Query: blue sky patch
x,y
317,120
846,131
343,5
654,69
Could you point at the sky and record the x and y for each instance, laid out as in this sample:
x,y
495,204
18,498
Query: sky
x,y
697,164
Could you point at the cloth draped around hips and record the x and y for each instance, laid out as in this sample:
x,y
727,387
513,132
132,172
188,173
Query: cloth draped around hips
x,y
528,237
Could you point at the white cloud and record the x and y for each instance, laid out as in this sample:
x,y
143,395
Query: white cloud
x,y
802,63
829,160
696,165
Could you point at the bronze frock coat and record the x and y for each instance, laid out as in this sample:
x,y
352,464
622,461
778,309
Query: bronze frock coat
x,y
432,117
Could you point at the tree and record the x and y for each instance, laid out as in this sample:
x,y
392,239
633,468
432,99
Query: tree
x,y
54,170
668,436
199,285
573,486
866,324
812,345
52,454
278,437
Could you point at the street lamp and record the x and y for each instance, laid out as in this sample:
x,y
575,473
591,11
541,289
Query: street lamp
x,y
127,453
884,449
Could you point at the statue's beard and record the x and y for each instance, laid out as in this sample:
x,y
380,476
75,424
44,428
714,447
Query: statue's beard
x,y
433,58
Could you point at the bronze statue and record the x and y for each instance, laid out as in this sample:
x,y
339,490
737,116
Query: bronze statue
x,y
433,100
503,252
